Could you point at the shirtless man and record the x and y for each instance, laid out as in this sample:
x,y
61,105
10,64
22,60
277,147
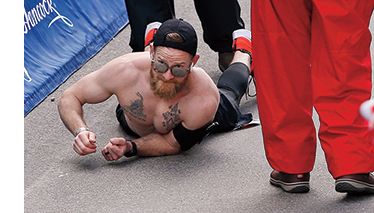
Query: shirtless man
x,y
166,102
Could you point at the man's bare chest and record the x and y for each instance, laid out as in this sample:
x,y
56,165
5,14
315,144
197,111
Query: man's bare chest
x,y
148,114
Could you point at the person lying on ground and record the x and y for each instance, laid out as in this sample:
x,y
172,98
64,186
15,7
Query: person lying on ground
x,y
165,102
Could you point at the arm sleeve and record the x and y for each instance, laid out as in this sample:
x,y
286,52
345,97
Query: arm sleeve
x,y
188,138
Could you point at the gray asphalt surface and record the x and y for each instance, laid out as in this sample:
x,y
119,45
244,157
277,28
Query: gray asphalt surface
x,y
225,173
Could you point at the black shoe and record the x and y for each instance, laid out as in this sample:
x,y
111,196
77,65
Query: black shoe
x,y
291,183
355,184
224,60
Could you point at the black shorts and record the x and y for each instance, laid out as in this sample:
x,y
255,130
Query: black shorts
x,y
122,121
227,114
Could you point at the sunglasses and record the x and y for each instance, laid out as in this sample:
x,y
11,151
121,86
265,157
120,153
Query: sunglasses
x,y
162,67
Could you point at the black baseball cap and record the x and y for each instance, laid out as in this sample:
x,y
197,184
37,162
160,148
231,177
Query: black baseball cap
x,y
181,27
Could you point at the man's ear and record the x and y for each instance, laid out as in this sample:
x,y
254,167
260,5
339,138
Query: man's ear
x,y
151,50
195,59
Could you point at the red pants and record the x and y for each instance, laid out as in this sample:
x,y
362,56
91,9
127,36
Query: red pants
x,y
313,53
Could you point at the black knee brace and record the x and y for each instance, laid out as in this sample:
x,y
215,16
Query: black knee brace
x,y
235,79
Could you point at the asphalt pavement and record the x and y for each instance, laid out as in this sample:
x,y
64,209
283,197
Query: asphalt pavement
x,y
225,173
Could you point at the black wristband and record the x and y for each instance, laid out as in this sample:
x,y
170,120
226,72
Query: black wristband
x,y
133,151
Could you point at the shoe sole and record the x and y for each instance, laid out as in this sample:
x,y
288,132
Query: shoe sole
x,y
297,187
353,187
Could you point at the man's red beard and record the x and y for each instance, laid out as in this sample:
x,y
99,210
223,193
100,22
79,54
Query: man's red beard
x,y
164,89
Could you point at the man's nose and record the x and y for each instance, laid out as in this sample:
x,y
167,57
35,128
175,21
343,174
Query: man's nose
x,y
168,75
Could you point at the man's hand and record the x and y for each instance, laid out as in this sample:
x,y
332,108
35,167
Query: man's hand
x,y
115,149
85,143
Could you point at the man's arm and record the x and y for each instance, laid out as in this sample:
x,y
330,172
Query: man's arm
x,y
89,89
151,145
96,87
157,145
181,138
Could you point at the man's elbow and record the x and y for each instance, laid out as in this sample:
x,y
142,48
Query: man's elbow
x,y
61,103
68,102
65,100
173,148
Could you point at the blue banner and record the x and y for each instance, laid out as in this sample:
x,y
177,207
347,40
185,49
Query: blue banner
x,y
60,36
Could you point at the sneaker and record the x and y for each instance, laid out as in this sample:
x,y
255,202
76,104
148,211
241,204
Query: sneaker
x,y
224,60
150,32
355,184
292,183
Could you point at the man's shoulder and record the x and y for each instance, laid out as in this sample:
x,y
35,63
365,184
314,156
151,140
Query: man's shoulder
x,y
201,103
121,72
205,101
198,111
201,84
138,61
129,65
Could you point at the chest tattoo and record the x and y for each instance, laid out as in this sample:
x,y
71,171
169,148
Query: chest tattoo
x,y
171,117
136,108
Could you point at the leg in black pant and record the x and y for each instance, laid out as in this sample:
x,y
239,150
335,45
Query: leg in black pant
x,y
219,19
232,85
234,81
143,12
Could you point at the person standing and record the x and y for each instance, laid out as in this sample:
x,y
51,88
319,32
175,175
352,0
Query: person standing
x,y
314,53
